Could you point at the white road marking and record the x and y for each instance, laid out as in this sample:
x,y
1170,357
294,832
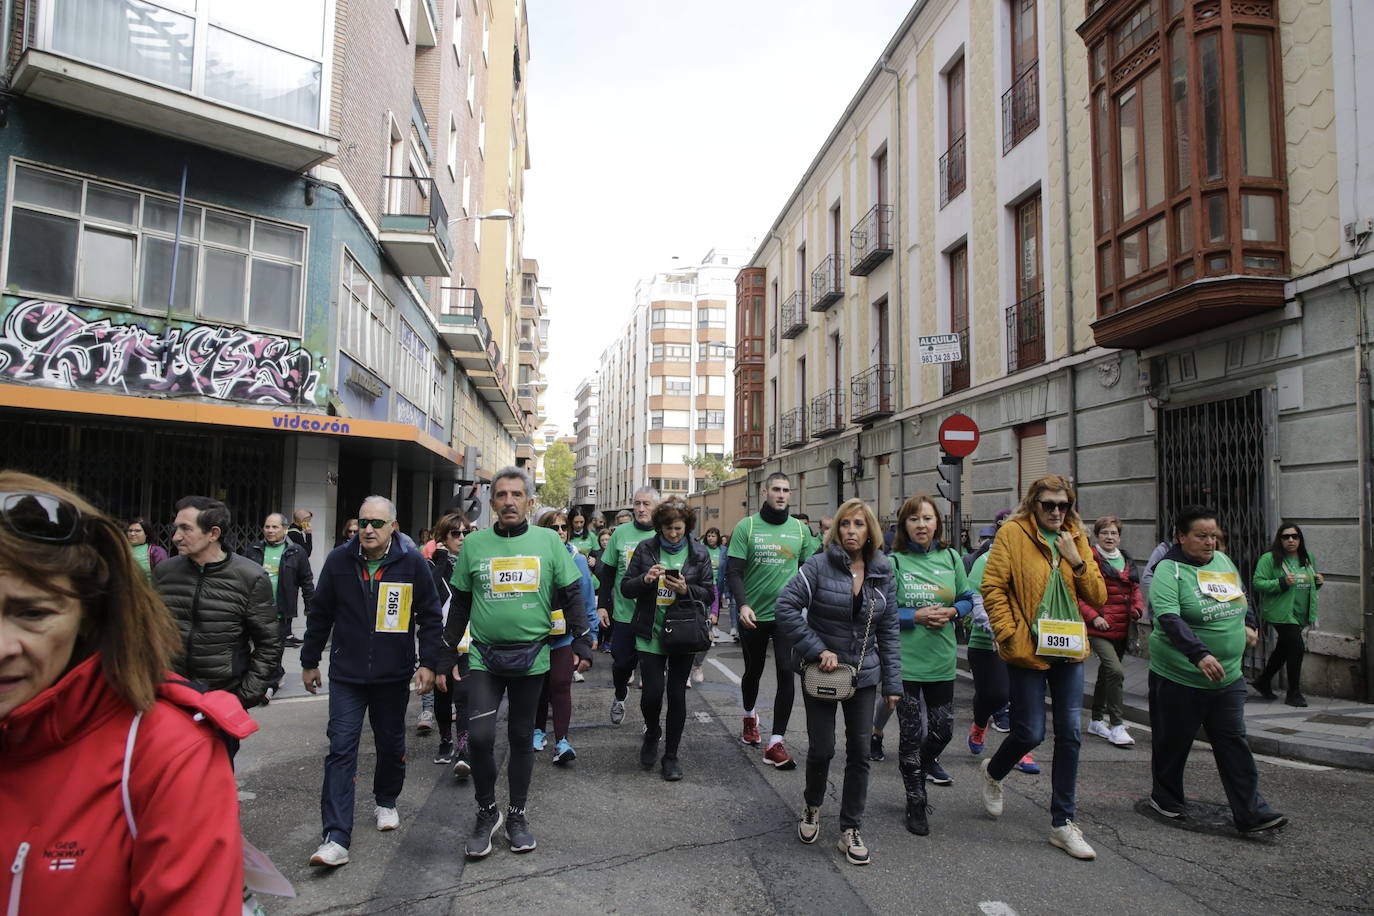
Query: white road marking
x,y
734,678
704,718
996,908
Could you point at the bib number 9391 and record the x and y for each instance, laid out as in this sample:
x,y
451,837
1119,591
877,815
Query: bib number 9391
x,y
1062,639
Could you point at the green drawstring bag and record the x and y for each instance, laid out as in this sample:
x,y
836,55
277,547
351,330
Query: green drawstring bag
x,y
1058,629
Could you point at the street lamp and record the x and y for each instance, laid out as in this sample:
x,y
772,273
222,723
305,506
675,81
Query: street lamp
x,y
498,215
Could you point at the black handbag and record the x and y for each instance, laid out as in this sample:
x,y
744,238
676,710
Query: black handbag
x,y
509,659
685,628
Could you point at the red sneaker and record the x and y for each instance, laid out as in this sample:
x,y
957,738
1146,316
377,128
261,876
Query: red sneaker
x,y
777,755
751,731
976,737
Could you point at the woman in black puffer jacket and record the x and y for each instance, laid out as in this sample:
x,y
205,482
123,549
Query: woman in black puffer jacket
x,y
837,590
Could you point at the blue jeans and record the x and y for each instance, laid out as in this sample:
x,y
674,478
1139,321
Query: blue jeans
x,y
385,705
1064,681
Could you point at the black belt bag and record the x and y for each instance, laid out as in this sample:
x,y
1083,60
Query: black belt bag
x,y
509,659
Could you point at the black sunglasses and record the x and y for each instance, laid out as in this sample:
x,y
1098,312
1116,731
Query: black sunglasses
x,y
559,527
43,518
378,523
457,532
1290,537
1050,505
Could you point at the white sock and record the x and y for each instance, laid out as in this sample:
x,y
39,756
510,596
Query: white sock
x,y
775,739
750,714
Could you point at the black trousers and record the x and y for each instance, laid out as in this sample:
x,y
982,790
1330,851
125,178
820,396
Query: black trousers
x,y
624,657
1176,712
675,669
820,733
991,684
755,645
1289,651
484,699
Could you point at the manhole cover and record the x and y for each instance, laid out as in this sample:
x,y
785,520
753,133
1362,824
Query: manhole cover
x,y
1328,718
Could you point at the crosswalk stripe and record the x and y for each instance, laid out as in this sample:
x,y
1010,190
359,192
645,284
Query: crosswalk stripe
x,y
734,678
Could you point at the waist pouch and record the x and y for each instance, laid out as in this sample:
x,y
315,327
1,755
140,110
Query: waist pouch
x,y
509,659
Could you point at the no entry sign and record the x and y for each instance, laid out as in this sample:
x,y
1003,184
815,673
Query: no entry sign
x,y
959,435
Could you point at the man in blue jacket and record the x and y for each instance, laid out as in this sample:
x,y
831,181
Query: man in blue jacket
x,y
376,597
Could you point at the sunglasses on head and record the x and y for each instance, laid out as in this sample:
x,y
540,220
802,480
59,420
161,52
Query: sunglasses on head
x,y
42,518
1050,505
378,523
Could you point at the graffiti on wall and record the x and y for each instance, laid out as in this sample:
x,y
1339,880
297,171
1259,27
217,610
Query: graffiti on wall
x,y
53,343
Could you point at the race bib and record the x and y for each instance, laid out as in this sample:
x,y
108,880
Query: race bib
x,y
666,595
466,642
393,607
559,624
513,575
1219,586
1062,639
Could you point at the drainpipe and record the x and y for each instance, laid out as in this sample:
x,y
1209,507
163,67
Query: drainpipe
x,y
1072,398
900,312
6,30
1362,404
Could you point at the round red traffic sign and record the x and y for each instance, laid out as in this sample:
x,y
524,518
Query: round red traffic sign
x,y
959,435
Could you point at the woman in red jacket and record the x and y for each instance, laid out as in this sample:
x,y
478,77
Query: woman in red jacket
x,y
1109,627
116,791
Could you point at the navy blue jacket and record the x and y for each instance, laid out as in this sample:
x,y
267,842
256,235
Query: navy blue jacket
x,y
346,603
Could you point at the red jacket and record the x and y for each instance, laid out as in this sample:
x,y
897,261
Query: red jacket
x,y
65,841
1124,600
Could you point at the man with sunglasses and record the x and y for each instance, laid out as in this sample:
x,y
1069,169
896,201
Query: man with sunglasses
x,y
375,598
223,606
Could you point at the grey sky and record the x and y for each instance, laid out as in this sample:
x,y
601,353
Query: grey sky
x,y
661,129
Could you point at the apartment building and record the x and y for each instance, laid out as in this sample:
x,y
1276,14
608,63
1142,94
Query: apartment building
x,y
532,348
1133,216
664,385
241,251
587,442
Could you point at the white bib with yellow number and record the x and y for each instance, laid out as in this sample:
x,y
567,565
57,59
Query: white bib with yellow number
x,y
1062,639
514,575
393,607
1219,586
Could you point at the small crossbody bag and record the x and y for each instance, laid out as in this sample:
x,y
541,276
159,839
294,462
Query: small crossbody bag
x,y
840,684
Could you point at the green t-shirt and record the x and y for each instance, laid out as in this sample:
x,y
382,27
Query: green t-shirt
x,y
1117,562
585,542
978,638
934,578
772,554
512,581
271,561
665,597
373,566
1197,594
141,558
1303,582
624,539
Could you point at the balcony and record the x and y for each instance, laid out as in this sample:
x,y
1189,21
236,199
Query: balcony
x,y
414,230
957,374
426,23
870,242
793,428
1026,332
794,315
827,283
827,413
1021,108
462,326
137,64
871,393
953,172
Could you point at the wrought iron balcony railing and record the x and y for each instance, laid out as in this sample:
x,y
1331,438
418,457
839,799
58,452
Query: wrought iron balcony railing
x,y
953,171
794,315
1026,332
1021,108
957,375
870,241
827,413
870,392
827,283
793,424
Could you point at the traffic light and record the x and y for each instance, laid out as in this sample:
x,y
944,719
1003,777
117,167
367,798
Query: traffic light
x,y
951,473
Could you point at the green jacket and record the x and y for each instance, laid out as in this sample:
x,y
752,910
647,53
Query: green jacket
x,y
1277,596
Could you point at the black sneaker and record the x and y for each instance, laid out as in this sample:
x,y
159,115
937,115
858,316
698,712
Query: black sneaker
x,y
648,750
1263,689
672,770
1162,811
875,748
478,844
518,830
916,821
936,774
445,752
1295,698
1272,821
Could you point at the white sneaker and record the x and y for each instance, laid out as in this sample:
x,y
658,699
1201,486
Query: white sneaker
x,y
1120,737
1070,839
331,854
387,818
992,792
698,674
617,711
425,724
577,677
1100,728
809,827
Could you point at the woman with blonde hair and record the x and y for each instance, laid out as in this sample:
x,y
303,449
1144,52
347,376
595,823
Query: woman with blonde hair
x,y
104,754
841,608
1036,577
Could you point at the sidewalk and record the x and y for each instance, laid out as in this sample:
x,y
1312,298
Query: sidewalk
x,y
1329,731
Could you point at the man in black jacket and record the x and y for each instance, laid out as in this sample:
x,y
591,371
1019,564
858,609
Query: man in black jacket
x,y
223,606
288,566
376,598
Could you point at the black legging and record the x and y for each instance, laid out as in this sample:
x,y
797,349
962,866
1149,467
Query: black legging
x,y
654,668
624,657
754,642
484,699
1289,649
453,703
991,687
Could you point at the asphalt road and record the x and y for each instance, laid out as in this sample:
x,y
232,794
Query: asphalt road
x,y
615,839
